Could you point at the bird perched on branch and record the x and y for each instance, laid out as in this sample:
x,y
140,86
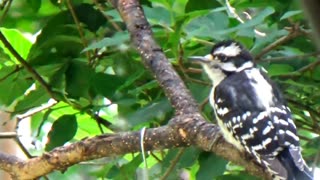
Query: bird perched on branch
x,y
251,112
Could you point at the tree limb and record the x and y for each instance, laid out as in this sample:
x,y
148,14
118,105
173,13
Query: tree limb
x,y
153,56
187,130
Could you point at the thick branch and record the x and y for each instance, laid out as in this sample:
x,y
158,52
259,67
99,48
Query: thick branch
x,y
185,131
153,56
106,145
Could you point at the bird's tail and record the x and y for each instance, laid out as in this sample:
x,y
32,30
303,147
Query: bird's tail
x,y
287,165
293,162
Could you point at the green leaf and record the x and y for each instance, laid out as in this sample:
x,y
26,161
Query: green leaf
x,y
290,14
59,42
146,86
215,25
62,131
257,20
50,69
187,159
18,41
13,87
278,69
211,166
158,15
126,170
118,39
92,18
57,80
106,84
273,34
78,79
34,4
33,99
194,5
154,110
50,47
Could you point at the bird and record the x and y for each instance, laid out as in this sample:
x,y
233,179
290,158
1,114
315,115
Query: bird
x,y
251,111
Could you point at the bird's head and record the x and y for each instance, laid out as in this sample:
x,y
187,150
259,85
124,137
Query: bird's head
x,y
227,57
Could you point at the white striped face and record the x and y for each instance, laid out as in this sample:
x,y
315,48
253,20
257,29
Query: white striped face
x,y
229,51
225,57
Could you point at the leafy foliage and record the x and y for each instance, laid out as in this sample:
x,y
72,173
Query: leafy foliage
x,y
100,85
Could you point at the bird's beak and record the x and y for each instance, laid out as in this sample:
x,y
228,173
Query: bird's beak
x,y
201,59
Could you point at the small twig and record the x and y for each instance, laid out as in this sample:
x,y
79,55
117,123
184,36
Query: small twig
x,y
202,41
155,157
36,110
295,31
304,138
3,4
7,135
173,164
194,70
24,149
301,70
185,70
303,106
35,75
302,125
233,12
204,102
115,25
100,121
77,22
18,68
309,67
198,81
7,7
286,58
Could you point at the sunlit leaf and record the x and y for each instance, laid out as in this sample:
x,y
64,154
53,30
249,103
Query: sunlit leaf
x,y
118,39
18,41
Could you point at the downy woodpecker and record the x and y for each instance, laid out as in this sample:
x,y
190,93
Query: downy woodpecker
x,y
251,112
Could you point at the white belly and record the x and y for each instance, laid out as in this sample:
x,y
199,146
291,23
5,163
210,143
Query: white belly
x,y
228,135
225,132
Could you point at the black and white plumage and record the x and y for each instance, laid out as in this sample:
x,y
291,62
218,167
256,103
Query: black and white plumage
x,y
251,112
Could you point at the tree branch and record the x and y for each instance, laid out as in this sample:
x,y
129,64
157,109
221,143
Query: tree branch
x,y
294,32
153,56
287,58
106,145
187,130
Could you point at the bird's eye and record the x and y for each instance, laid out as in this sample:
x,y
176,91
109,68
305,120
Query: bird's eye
x,y
223,58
